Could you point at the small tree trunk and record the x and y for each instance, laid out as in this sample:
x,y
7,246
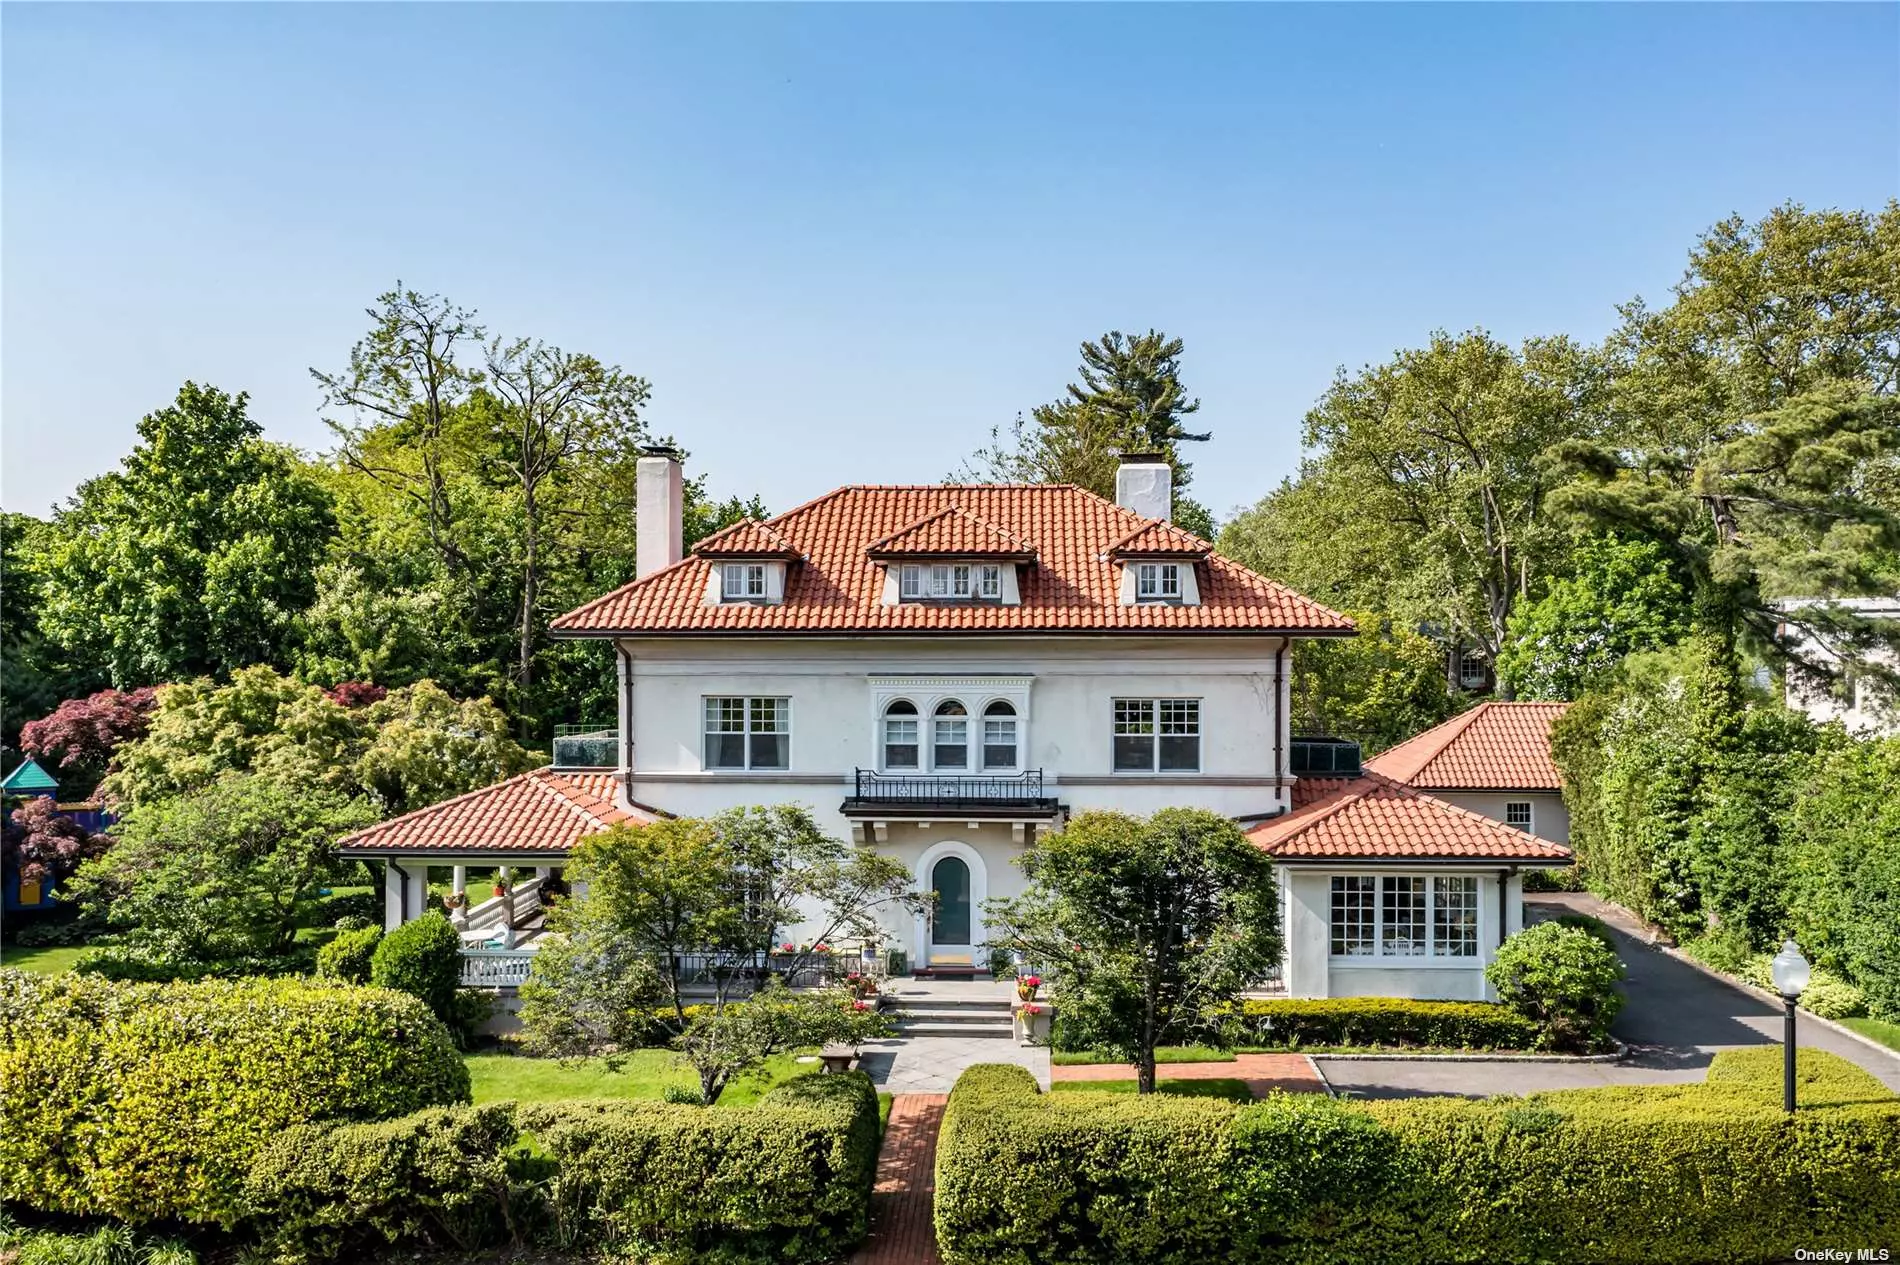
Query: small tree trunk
x,y
1145,1071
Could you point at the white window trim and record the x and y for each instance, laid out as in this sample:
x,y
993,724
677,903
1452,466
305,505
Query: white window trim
x,y
921,722
1530,815
743,582
746,746
1154,580
950,582
976,693
1427,961
1154,768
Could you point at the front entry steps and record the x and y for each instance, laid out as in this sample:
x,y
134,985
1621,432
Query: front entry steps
x,y
937,1015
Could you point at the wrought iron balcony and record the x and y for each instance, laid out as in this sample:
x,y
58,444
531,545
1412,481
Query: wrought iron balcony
x,y
976,795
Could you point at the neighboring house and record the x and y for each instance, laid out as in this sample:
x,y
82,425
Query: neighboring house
x,y
1493,759
1854,698
944,673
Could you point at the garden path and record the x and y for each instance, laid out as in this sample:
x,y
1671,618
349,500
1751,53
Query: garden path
x,y
902,1229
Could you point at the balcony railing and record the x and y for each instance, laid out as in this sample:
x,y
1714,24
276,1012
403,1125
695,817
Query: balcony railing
x,y
1002,791
586,747
1322,755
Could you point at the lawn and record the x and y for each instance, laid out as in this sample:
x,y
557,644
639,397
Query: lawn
x,y
1219,1087
1879,1029
52,960
642,1074
1163,1054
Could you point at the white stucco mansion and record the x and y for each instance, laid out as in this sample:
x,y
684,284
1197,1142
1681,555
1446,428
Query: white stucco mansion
x,y
945,672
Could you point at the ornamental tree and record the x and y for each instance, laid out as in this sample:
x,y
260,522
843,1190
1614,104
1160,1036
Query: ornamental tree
x,y
42,846
1564,979
80,736
1149,925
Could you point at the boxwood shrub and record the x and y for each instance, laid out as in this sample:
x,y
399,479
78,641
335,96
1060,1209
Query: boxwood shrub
x,y
147,1102
1676,1173
788,1180
347,956
1379,1021
424,959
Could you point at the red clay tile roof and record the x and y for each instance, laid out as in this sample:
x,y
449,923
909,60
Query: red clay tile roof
x,y
1071,588
1157,539
1492,747
547,810
1373,818
747,538
952,532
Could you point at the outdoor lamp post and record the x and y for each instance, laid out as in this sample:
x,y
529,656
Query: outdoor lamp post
x,y
1790,971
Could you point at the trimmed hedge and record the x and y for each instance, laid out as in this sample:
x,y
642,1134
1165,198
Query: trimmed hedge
x,y
147,1102
347,957
1391,1021
424,959
1676,1173
786,1181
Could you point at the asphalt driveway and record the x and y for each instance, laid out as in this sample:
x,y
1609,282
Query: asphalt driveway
x,y
1675,1022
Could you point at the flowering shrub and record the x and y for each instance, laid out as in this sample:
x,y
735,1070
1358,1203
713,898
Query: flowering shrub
x,y
80,735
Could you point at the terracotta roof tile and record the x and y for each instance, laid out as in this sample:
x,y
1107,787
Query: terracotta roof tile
x,y
547,810
1159,539
1374,818
952,532
1071,587
1494,746
747,538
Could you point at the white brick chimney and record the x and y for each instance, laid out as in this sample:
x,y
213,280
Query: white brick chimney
x,y
658,505
1144,483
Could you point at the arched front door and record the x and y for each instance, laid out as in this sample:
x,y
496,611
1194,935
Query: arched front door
x,y
953,923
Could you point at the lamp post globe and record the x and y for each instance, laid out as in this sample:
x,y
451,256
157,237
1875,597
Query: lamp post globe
x,y
1790,972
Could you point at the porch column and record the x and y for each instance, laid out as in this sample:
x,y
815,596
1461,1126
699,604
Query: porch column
x,y
458,878
544,872
392,895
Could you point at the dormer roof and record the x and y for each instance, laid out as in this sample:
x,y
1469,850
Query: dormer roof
x,y
747,538
951,532
1158,539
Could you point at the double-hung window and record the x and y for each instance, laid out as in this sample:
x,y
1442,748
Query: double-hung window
x,y
950,741
999,736
1158,581
1517,813
1404,916
900,735
1157,735
743,582
748,733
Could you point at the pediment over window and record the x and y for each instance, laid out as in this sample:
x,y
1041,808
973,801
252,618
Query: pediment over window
x,y
748,538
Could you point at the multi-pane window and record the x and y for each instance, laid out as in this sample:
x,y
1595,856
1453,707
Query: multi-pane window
x,y
950,739
901,735
1404,915
999,736
744,581
1157,735
748,733
950,581
1158,581
1517,813
1471,670
1455,917
1355,905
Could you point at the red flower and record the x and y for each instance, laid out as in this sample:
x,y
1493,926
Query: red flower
x,y
860,1005
788,947
1034,981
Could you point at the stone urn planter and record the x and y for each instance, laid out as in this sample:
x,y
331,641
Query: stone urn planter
x,y
1031,1021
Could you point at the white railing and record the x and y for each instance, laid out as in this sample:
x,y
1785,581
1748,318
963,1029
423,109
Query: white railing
x,y
527,902
495,968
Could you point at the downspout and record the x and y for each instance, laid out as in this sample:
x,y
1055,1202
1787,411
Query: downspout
x,y
626,720
402,893
1280,720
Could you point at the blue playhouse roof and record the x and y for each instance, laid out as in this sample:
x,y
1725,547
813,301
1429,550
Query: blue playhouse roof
x,y
30,779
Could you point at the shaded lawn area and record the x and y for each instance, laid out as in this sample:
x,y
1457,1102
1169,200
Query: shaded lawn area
x,y
1219,1087
1880,1030
49,960
1163,1054
642,1074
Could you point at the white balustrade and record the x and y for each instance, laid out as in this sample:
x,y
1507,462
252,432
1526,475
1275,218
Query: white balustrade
x,y
495,968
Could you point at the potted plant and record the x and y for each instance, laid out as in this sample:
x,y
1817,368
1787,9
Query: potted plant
x,y
1026,986
1032,1022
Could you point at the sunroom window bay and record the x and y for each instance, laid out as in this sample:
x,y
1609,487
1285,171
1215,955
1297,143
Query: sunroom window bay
x,y
1404,916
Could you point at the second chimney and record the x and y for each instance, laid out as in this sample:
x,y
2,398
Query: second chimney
x,y
1144,483
658,505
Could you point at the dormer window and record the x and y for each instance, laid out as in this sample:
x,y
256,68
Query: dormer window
x,y
1158,582
743,582
950,582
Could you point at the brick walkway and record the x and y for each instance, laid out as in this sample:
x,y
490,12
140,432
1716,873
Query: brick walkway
x,y
1294,1073
902,1231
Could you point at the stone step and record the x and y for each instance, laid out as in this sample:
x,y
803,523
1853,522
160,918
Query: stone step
x,y
973,1018
985,1031
960,1005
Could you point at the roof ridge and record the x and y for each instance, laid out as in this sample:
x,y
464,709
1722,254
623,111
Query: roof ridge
x,y
1450,729
440,804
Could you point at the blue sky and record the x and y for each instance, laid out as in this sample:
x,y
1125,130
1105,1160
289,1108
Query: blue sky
x,y
844,241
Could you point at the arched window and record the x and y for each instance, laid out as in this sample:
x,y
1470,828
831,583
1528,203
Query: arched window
x,y
950,743
999,736
900,735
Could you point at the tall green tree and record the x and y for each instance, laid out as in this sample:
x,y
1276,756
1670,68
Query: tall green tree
x,y
1129,398
36,672
1149,925
1620,598
196,557
1428,469
1379,687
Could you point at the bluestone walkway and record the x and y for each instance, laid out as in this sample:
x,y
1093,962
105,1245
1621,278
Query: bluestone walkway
x,y
931,1065
902,1229
1676,1020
